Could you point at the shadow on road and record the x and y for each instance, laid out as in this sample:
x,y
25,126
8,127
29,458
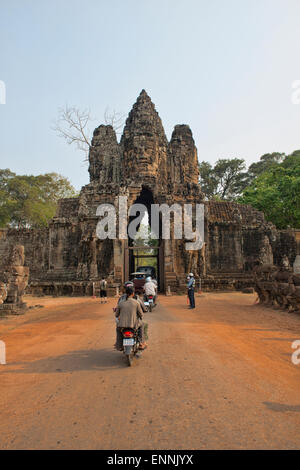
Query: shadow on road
x,y
262,329
281,407
289,340
91,359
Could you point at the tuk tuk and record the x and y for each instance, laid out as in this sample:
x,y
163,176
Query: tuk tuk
x,y
138,280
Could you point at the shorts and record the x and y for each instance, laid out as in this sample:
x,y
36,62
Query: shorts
x,y
103,293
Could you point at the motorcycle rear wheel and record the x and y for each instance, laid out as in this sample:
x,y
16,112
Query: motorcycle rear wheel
x,y
129,359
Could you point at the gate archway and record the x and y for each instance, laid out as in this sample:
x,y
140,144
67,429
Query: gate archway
x,y
137,255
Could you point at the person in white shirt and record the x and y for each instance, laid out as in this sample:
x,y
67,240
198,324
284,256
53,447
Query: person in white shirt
x,y
150,288
103,292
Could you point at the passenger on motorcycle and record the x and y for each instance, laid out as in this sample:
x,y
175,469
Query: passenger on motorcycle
x,y
150,288
136,296
130,315
118,343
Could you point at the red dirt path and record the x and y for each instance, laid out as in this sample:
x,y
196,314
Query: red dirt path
x,y
217,377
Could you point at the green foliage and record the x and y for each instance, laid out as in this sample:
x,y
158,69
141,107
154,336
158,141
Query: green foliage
x,y
225,181
144,238
276,192
31,201
271,185
207,180
266,162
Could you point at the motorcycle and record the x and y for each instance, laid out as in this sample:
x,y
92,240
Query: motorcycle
x,y
149,302
130,344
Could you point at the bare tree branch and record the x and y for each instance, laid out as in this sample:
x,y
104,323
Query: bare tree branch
x,y
72,125
114,119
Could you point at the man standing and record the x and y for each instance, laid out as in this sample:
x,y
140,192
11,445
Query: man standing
x,y
103,293
191,290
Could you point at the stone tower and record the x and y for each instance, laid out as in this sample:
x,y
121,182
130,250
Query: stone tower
x,y
144,144
144,154
145,167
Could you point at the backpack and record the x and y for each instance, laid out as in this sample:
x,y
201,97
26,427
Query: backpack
x,y
103,285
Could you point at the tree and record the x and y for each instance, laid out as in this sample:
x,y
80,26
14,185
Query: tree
x,y
114,119
225,181
31,201
230,176
207,180
6,202
73,124
291,161
144,239
276,192
265,162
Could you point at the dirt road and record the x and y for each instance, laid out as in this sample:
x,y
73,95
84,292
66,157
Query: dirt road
x,y
217,377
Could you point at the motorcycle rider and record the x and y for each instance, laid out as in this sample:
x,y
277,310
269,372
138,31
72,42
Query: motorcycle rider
x,y
150,288
136,296
130,315
118,343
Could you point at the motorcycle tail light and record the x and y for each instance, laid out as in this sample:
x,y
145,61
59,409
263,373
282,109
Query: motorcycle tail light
x,y
128,334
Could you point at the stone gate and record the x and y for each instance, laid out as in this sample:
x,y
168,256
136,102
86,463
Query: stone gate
x,y
68,257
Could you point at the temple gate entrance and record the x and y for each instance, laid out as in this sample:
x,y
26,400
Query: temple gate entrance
x,y
132,260
145,249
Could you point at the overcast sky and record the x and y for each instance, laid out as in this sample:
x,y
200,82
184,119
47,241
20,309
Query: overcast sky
x,y
226,68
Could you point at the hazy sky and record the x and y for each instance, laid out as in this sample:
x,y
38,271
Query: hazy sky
x,y
226,68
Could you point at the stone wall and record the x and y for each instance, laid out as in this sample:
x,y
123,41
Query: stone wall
x,y
36,248
13,282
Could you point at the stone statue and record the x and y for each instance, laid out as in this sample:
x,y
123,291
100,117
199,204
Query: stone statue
x,y
285,263
266,254
3,292
14,282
